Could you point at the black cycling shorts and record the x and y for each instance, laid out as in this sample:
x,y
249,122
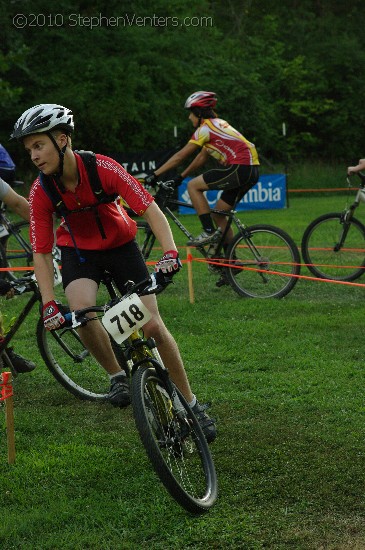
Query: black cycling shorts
x,y
124,263
235,181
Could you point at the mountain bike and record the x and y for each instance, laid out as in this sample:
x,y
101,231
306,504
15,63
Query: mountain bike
x,y
262,261
168,428
333,245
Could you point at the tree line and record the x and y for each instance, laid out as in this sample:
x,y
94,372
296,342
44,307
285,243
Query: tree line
x,y
125,69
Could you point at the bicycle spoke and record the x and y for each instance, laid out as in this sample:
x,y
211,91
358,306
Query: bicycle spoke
x,y
265,265
71,364
174,443
333,251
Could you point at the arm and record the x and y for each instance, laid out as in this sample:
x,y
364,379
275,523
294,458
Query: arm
x,y
200,159
357,168
160,227
43,270
17,203
177,158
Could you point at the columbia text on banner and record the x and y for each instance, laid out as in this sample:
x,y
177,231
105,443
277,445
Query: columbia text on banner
x,y
269,193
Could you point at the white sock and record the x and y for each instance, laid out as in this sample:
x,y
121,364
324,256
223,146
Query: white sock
x,y
120,373
193,402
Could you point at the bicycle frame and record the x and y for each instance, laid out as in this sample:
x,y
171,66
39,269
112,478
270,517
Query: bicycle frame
x,y
360,197
349,212
164,200
35,297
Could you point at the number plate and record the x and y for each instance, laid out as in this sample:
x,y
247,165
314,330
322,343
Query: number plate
x,y
3,231
56,274
126,317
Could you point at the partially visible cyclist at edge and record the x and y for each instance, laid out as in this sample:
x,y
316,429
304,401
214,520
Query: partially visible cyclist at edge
x,y
7,166
45,131
20,206
358,168
213,137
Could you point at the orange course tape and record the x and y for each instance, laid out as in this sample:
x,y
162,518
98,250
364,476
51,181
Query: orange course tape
x,y
6,388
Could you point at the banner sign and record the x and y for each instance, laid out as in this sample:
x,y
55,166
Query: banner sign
x,y
140,164
269,193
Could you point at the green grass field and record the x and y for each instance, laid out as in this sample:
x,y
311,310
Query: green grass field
x,y
286,379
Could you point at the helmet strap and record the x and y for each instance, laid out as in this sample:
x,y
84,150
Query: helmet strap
x,y
61,153
197,112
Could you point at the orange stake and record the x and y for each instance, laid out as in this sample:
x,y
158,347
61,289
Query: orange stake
x,y
190,275
7,396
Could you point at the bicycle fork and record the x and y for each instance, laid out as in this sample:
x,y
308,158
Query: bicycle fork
x,y
145,351
346,224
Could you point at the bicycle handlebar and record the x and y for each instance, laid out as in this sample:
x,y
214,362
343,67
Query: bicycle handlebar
x,y
169,185
155,284
21,285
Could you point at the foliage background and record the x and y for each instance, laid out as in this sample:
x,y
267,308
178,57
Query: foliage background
x,y
297,62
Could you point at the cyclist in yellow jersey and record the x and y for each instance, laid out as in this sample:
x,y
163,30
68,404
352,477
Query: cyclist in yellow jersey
x,y
218,139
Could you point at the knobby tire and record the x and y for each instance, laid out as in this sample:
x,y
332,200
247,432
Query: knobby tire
x,y
324,259
274,273
76,370
183,463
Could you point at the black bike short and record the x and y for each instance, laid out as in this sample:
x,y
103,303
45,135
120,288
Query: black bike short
x,y
235,181
124,263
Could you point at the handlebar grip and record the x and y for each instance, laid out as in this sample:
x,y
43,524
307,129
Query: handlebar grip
x,y
158,283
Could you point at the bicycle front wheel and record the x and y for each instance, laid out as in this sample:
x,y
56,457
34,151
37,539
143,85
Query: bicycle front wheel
x,y
71,363
174,442
264,262
333,249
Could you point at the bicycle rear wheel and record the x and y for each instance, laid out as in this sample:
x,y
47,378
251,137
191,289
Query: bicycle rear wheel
x,y
174,443
334,250
264,263
71,363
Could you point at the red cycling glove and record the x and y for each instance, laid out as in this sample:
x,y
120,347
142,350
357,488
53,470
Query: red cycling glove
x,y
169,264
52,315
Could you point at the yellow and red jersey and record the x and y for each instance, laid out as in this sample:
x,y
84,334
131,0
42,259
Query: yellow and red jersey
x,y
224,143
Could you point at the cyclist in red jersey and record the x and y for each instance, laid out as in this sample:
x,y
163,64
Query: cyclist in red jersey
x,y
45,131
215,138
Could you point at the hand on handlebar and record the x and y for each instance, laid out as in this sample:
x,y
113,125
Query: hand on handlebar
x,y
169,264
53,314
150,179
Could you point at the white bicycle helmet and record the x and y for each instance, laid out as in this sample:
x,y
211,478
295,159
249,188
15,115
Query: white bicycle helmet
x,y
43,118
201,99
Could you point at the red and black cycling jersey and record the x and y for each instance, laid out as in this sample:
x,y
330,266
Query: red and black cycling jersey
x,y
118,226
224,143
